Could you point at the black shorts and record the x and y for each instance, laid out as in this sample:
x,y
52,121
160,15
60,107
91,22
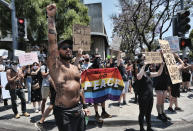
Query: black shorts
x,y
186,76
71,119
175,90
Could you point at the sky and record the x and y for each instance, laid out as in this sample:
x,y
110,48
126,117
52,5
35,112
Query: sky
x,y
110,7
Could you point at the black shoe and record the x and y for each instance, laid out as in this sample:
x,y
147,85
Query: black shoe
x,y
124,103
178,109
171,110
39,126
149,129
162,118
142,129
105,115
98,118
168,118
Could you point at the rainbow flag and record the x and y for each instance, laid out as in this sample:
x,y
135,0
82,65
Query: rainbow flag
x,y
102,84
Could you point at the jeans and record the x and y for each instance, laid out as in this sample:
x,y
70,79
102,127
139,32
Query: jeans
x,y
20,93
28,83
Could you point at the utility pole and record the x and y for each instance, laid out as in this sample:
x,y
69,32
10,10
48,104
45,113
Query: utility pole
x,y
184,50
11,6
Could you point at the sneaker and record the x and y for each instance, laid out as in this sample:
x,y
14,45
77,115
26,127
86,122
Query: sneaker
x,y
124,103
105,115
98,118
39,126
178,109
162,118
36,111
171,110
149,129
26,114
17,116
119,104
168,118
39,109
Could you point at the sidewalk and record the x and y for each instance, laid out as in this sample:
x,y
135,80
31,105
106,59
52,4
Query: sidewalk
x,y
125,116
128,114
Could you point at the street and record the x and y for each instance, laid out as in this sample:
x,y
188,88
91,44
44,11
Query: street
x,y
124,119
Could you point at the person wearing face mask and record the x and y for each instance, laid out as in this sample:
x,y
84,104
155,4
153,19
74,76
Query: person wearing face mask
x,y
87,64
36,86
97,64
186,75
125,78
145,92
14,77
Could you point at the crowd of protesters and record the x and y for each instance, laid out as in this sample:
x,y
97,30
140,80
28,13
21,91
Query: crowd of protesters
x,y
42,82
136,75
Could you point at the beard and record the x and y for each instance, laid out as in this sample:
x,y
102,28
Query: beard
x,y
66,57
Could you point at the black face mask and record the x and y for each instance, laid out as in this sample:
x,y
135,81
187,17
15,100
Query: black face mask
x,y
97,62
141,64
66,58
87,59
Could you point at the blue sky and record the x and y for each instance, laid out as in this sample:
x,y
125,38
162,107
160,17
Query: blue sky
x,y
109,8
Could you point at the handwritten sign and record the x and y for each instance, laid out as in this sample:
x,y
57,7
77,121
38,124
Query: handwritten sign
x,y
28,58
153,58
170,62
18,52
81,37
5,93
4,53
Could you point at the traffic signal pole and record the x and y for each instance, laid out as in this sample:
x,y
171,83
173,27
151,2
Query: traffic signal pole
x,y
14,24
14,28
183,50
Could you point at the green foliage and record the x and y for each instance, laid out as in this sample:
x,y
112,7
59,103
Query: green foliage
x,y
69,12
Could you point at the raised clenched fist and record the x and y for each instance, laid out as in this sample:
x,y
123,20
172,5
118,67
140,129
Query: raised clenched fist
x,y
51,10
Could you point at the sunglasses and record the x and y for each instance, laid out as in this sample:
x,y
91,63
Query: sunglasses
x,y
66,46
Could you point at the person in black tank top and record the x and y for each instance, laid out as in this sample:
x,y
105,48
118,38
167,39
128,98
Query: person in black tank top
x,y
175,88
186,75
161,86
145,93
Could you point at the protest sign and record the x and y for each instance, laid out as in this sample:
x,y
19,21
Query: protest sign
x,y
174,43
4,53
28,58
5,93
102,84
81,37
170,62
18,52
153,58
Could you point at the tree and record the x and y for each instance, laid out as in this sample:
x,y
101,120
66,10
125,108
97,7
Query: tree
x,y
145,19
69,12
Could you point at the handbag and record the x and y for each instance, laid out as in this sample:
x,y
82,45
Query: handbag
x,y
35,86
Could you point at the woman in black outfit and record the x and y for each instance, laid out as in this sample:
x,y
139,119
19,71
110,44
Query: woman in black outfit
x,y
186,75
161,86
145,93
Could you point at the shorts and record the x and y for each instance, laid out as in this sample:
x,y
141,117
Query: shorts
x,y
175,90
45,92
71,119
126,86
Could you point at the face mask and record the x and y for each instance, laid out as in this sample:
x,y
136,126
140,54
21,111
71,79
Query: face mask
x,y
14,67
35,67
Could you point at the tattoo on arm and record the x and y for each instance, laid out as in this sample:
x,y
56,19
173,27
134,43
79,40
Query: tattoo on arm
x,y
51,25
51,31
